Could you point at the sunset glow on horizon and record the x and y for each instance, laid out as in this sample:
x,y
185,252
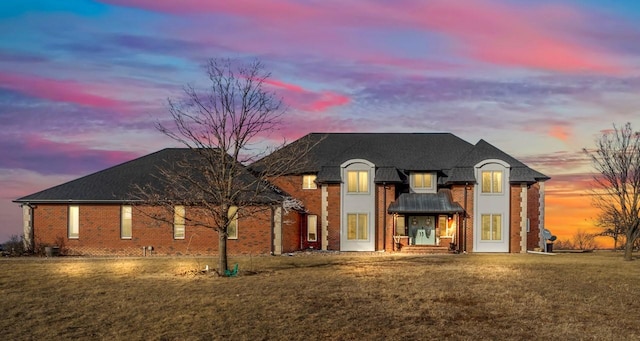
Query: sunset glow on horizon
x,y
82,82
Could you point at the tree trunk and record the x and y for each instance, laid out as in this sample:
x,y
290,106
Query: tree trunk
x,y
628,249
222,254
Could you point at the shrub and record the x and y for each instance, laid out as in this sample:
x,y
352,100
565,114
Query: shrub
x,y
13,247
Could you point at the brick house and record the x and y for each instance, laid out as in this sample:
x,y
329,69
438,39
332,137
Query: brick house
x,y
361,192
431,192
99,214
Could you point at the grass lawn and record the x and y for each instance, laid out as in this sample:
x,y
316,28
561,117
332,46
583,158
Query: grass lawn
x,y
320,296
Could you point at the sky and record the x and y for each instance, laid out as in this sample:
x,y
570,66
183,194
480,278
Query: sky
x,y
82,82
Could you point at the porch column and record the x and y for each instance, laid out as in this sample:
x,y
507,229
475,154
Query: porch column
x,y
324,217
523,217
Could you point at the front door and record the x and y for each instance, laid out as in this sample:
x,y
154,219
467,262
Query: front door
x,y
422,230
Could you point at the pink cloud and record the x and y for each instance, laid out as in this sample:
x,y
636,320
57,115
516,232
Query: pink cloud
x,y
328,100
515,35
547,37
59,91
300,98
283,85
559,132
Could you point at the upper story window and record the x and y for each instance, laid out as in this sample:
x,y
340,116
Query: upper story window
x,y
422,180
309,181
357,181
491,181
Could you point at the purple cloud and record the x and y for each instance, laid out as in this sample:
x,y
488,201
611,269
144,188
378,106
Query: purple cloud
x,y
36,153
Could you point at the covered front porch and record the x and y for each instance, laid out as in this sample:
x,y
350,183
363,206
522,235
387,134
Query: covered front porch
x,y
426,222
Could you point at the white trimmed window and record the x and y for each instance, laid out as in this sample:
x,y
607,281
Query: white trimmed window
x,y
491,227
491,181
232,229
357,181
126,222
422,180
309,181
74,222
357,226
312,228
179,221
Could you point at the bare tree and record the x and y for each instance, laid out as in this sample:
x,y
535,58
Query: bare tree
x,y
617,160
608,220
563,244
583,240
219,126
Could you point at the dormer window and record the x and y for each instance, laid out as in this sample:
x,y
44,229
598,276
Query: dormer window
x,y
422,181
357,182
491,181
309,181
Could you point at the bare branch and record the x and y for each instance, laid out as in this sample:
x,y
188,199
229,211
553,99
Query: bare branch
x,y
218,126
616,158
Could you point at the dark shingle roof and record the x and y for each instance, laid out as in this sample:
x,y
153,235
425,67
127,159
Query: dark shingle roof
x,y
463,171
116,184
440,202
328,174
445,153
387,175
420,151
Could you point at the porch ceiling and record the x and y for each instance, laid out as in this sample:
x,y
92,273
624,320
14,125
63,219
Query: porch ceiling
x,y
416,203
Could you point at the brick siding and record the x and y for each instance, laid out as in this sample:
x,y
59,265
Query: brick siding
x,y
457,193
333,210
382,215
515,202
99,232
533,212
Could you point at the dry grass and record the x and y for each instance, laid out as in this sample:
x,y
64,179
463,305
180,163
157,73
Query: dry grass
x,y
465,297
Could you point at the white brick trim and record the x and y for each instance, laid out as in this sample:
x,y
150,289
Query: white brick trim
x,y
277,231
324,217
541,215
523,218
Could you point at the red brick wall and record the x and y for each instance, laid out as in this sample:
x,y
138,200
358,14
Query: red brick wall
x,y
533,212
312,199
333,213
100,233
457,192
292,184
291,231
382,215
514,223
